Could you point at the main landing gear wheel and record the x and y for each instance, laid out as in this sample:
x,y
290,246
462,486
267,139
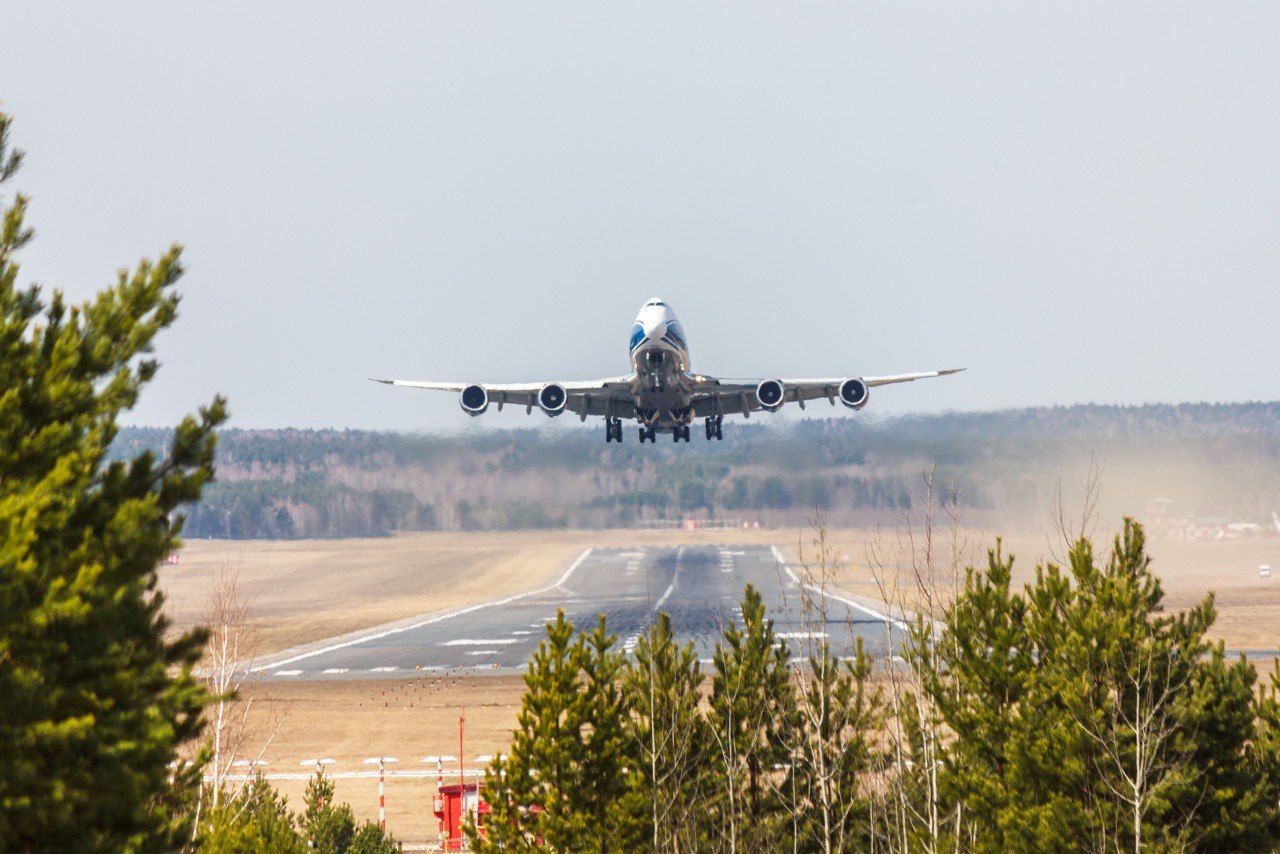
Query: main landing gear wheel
x,y
613,430
713,427
679,433
647,435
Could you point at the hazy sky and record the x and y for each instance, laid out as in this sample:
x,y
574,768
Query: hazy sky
x,y
1078,202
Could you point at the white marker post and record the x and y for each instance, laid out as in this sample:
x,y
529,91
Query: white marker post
x,y
382,787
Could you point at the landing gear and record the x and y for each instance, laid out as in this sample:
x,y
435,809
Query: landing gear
x,y
680,433
613,430
713,427
647,434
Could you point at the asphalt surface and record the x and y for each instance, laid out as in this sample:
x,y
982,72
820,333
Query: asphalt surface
x,y
700,587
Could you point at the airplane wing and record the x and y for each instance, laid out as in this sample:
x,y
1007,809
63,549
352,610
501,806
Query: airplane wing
x,y
608,397
714,396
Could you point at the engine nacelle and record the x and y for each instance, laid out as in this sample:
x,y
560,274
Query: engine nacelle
x,y
854,393
474,400
771,394
552,398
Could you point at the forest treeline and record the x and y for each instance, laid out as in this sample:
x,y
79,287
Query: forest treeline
x,y
1074,714
1207,459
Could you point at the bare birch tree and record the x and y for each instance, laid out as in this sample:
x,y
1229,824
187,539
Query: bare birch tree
x,y
235,731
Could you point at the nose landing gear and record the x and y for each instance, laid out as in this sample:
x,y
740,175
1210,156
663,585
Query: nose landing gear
x,y
613,430
713,428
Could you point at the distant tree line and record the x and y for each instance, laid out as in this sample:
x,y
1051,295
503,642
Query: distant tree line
x,y
1074,714
1212,459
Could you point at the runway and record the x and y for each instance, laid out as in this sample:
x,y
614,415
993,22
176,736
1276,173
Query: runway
x,y
700,587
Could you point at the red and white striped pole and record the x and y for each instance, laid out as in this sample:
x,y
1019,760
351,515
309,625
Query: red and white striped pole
x,y
440,797
382,787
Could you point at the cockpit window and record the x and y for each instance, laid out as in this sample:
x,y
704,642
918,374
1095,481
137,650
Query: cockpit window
x,y
655,302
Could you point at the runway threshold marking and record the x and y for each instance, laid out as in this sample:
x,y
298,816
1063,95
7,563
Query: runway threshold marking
x,y
458,613
815,588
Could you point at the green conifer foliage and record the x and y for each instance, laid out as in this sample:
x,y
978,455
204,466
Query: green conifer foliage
x,y
671,739
95,692
752,700
1085,717
978,694
565,781
834,739
258,822
327,827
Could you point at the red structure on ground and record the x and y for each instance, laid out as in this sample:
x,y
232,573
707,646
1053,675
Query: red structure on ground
x,y
454,805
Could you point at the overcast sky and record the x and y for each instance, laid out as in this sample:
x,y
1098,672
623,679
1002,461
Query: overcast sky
x,y
1078,202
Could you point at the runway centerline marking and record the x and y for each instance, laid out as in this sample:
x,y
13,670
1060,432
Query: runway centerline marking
x,y
450,615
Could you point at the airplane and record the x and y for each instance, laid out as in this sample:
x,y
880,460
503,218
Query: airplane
x,y
661,392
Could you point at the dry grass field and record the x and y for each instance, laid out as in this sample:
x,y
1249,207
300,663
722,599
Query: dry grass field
x,y
305,591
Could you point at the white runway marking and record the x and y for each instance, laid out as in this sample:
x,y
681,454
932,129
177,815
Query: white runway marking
x,y
483,652
521,632
674,578
863,608
474,642
800,635
288,673
384,669
336,670
379,635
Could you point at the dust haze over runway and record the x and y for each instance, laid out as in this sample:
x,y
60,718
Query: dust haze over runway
x,y
701,588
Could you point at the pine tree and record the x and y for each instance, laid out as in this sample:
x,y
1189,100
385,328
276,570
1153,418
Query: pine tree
x,y
834,739
988,667
752,702
96,692
327,827
259,821
564,782
1085,717
664,686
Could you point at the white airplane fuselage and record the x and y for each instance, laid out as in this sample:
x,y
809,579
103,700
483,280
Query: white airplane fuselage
x,y
662,383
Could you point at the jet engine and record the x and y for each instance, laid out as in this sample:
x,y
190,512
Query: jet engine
x,y
552,398
474,400
854,393
770,394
